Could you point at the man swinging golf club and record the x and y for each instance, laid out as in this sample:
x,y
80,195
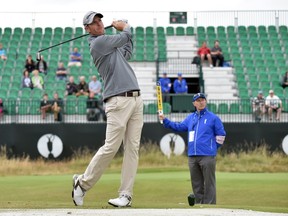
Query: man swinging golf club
x,y
124,108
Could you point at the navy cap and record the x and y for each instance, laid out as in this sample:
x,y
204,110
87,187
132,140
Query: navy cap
x,y
164,73
179,74
198,95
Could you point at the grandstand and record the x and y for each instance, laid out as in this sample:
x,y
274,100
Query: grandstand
x,y
258,55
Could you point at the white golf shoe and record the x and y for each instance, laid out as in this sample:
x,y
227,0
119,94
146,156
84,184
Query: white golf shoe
x,y
77,193
121,201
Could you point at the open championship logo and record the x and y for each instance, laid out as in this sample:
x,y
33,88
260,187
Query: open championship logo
x,y
172,143
285,144
50,146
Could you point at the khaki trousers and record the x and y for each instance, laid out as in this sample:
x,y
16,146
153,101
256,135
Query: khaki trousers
x,y
124,123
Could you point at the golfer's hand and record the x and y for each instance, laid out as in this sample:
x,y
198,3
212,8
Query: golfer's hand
x,y
120,25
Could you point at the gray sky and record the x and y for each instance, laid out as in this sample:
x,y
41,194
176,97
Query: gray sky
x,y
132,10
146,5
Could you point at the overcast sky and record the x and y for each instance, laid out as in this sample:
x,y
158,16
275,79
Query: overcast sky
x,y
146,5
80,7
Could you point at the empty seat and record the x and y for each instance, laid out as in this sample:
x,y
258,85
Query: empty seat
x,y
201,30
189,30
139,30
210,29
58,31
149,30
152,108
180,30
223,108
234,108
212,107
160,30
18,31
251,29
170,31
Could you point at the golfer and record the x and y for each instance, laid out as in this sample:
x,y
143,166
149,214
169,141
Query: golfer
x,y
205,135
124,108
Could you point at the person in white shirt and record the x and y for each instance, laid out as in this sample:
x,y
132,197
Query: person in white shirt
x,y
273,104
95,86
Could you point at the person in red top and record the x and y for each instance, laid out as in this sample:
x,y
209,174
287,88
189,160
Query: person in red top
x,y
205,54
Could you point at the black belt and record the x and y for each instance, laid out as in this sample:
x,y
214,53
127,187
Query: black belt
x,y
129,94
126,94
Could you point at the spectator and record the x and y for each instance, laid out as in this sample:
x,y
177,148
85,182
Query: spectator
x,y
273,104
165,87
29,64
26,80
41,65
258,105
71,87
75,58
205,54
284,83
94,108
83,88
1,108
180,85
37,80
216,53
61,73
45,106
95,86
2,53
56,107
205,135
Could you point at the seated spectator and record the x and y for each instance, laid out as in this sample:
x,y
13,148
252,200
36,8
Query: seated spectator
x,y
258,105
180,85
37,80
56,107
3,55
205,54
1,108
216,53
71,87
45,106
94,109
29,64
83,88
284,83
95,86
26,80
61,73
75,58
273,104
165,87
41,65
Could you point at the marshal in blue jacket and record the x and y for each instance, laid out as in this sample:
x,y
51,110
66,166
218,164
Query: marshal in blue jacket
x,y
205,132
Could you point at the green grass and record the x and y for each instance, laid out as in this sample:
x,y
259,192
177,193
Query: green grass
x,y
163,188
255,180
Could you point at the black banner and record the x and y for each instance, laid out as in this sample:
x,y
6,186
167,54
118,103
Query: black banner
x,y
58,141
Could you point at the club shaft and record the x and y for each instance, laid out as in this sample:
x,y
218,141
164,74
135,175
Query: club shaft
x,y
110,26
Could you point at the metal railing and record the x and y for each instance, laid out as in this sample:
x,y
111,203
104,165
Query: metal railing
x,y
27,111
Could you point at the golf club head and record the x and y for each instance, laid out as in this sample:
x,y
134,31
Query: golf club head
x,y
191,199
38,56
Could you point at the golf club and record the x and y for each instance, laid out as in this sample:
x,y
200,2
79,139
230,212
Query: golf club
x,y
38,57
